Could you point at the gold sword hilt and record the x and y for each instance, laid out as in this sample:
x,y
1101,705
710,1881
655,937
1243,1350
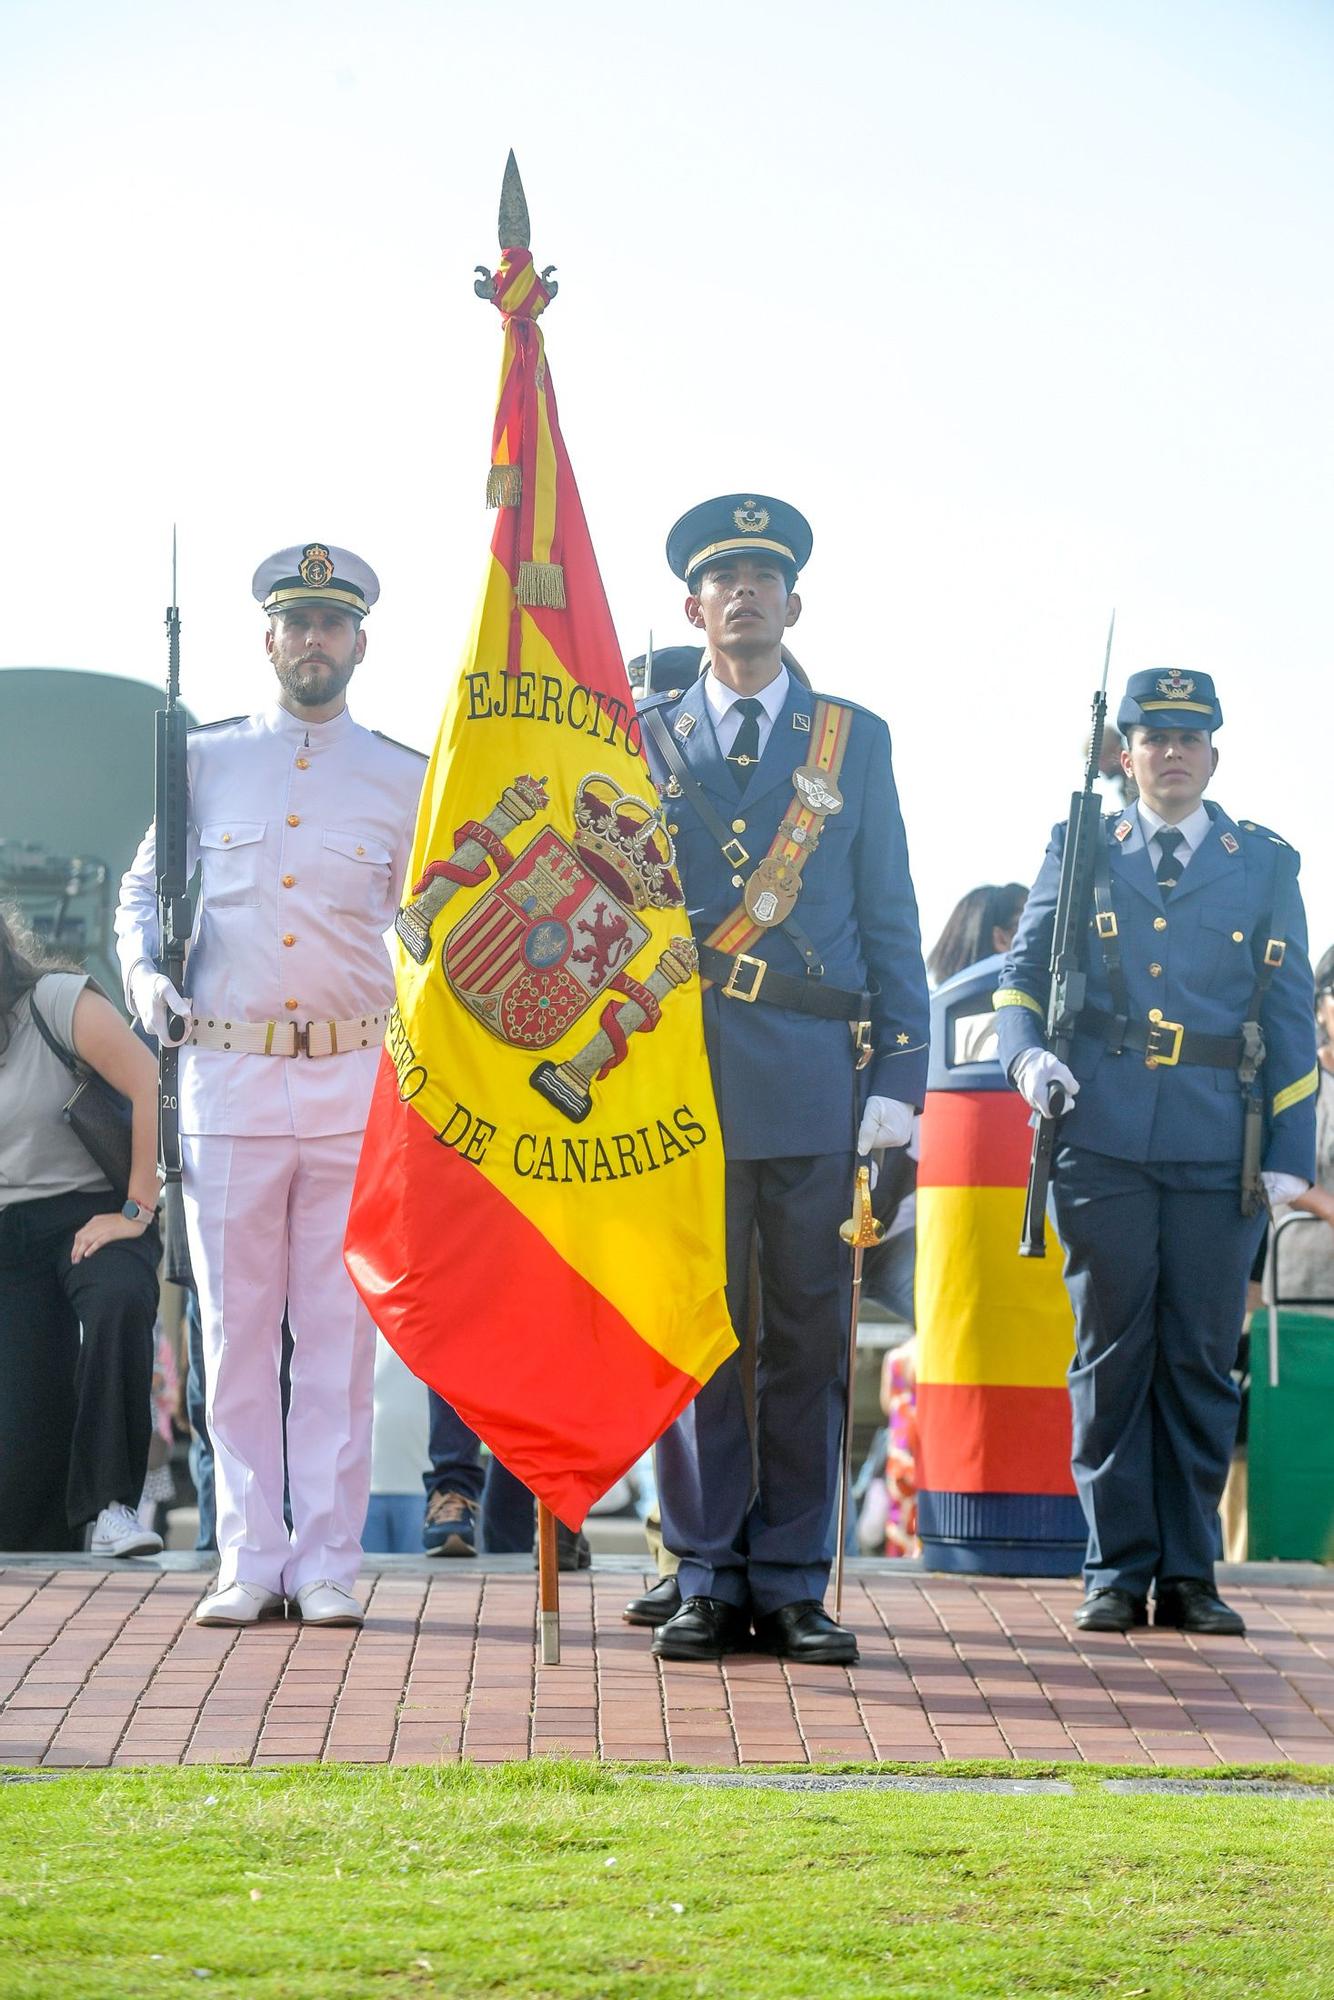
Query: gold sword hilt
x,y
862,1230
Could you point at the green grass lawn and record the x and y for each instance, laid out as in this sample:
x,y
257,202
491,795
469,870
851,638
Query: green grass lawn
x,y
564,1880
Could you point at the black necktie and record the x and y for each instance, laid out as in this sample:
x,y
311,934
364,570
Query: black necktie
x,y
745,751
1169,868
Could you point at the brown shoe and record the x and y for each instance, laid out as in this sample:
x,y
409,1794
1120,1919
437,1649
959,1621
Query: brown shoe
x,y
450,1528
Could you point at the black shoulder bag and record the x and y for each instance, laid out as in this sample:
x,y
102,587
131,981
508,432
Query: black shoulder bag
x,y
99,1115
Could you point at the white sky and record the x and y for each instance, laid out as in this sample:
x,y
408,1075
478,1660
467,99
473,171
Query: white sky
x,y
1027,305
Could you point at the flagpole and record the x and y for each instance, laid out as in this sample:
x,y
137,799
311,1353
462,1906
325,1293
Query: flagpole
x,y
548,1588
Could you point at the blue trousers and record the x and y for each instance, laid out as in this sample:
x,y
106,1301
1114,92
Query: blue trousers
x,y
1157,1258
751,1517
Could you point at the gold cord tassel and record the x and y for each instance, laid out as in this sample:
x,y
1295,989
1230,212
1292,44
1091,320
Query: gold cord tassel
x,y
504,485
541,583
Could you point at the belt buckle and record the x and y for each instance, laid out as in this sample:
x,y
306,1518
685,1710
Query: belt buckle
x,y
735,854
1155,1056
861,1043
301,1039
756,969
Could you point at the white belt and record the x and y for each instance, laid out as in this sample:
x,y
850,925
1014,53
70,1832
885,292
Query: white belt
x,y
288,1038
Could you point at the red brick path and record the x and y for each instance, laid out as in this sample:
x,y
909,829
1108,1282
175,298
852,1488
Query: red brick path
x,y
103,1665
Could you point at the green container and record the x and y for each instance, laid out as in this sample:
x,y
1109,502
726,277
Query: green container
x,y
1291,1449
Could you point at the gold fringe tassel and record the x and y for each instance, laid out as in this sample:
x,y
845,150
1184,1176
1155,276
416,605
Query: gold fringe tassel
x,y
504,485
541,583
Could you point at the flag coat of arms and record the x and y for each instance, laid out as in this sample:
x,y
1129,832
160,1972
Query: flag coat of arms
x,y
538,1225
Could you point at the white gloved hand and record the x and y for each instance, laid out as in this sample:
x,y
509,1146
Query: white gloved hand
x,y
885,1122
1033,1074
1283,1187
153,998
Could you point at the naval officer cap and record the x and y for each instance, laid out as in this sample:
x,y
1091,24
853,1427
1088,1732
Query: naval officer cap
x,y
739,524
318,573
1165,698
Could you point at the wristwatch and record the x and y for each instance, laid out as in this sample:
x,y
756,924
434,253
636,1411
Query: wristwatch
x,y
134,1211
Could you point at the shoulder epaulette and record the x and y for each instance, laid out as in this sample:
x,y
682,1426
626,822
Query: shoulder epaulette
x,y
223,722
657,698
411,750
1263,832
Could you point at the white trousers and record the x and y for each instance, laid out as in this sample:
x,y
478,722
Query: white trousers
x,y
266,1219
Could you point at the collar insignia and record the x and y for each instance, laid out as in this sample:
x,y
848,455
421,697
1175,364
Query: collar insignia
x,y
801,723
751,518
684,725
1176,685
316,566
1123,832
1229,841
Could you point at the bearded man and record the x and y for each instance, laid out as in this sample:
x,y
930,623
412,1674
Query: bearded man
x,y
302,824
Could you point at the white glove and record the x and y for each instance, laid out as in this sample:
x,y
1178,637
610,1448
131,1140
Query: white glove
x,y
885,1122
153,998
1283,1187
1034,1073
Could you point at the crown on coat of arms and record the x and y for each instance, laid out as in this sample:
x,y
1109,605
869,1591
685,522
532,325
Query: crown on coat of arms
x,y
1176,685
623,842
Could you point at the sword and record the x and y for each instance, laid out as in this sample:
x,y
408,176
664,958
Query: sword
x,y
862,1232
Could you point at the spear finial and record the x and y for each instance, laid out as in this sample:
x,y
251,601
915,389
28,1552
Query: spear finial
x,y
515,229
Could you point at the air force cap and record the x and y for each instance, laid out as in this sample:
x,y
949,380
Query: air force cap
x,y
1165,698
316,572
739,524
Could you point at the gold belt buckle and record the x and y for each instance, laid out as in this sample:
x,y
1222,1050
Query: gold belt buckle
x,y
1154,1055
755,968
861,1042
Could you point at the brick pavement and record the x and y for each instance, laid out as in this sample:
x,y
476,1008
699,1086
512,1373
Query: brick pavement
x,y
101,1664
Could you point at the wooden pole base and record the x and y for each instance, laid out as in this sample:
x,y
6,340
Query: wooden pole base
x,y
548,1589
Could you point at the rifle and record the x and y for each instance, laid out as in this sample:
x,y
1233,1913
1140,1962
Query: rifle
x,y
173,904
1069,978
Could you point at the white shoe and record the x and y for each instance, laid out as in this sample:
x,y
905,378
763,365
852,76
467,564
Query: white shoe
x,y
326,1603
240,1604
118,1531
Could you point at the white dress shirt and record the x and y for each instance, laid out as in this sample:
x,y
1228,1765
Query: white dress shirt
x,y
304,832
727,719
1193,830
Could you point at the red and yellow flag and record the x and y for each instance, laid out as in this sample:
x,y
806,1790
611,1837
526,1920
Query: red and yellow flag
x,y
537,1225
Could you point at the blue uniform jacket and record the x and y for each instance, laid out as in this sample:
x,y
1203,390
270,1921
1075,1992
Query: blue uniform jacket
x,y
784,1082
1192,957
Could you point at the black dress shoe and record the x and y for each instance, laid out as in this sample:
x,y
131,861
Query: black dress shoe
x,y
1188,1604
703,1629
656,1606
805,1631
1109,1610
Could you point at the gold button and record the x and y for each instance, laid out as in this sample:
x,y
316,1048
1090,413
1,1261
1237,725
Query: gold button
x,y
289,881
1160,923
738,826
291,1005
737,881
225,838
294,819
1238,937
289,939
361,850
672,827
1154,970
303,763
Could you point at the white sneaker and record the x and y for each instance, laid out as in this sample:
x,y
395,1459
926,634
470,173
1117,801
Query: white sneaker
x,y
239,1604
326,1603
118,1531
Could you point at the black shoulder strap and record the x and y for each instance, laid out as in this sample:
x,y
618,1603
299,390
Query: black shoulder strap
x,y
1269,940
733,853
1109,940
66,1056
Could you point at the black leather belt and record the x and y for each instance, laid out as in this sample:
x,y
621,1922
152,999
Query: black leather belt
x,y
741,977
1162,1043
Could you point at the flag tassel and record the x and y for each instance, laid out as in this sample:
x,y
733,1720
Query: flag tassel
x,y
504,486
541,583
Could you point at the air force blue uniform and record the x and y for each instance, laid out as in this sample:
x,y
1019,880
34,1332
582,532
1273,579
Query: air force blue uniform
x,y
754,1527
1147,1182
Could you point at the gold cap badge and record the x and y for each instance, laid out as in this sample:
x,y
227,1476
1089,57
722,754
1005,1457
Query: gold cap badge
x,y
751,518
1176,685
316,566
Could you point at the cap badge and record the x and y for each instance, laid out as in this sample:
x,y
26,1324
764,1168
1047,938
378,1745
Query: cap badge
x,y
1123,831
316,566
1176,685
751,518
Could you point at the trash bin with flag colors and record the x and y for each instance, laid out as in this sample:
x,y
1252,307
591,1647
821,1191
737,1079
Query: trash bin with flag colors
x,y
995,1333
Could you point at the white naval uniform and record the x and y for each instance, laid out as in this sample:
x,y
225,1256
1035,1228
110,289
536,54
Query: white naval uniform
x,y
304,832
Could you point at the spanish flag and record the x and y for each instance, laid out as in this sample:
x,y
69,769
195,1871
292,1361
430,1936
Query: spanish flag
x,y
537,1224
